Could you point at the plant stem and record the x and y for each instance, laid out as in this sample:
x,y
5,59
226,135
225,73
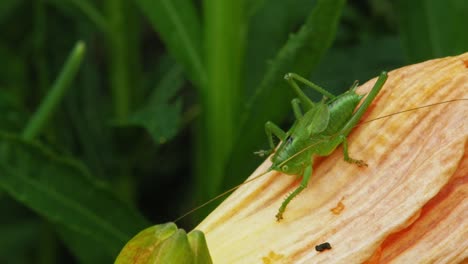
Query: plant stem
x,y
120,68
224,51
123,68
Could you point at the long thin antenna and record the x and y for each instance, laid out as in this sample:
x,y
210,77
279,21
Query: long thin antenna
x,y
261,174
222,194
412,109
371,120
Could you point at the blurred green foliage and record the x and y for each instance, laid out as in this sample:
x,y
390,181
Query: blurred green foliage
x,y
169,102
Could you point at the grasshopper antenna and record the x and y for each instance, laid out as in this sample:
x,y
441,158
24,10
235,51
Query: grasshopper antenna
x,y
270,169
222,194
378,118
414,109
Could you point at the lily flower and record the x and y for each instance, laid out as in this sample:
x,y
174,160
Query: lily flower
x,y
408,206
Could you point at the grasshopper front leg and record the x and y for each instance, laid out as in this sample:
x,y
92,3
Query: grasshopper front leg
x,y
271,129
305,180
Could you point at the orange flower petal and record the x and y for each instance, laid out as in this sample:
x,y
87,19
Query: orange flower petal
x,y
408,206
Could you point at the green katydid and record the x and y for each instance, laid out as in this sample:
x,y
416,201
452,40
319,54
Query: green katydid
x,y
317,132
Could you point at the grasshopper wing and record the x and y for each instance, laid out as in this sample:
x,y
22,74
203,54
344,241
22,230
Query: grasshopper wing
x,y
317,118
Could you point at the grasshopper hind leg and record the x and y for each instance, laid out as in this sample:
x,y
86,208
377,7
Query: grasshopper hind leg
x,y
302,186
347,158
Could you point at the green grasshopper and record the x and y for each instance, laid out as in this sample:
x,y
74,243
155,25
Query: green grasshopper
x,y
317,132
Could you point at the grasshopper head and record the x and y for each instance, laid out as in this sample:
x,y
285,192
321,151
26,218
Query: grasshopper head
x,y
290,159
290,167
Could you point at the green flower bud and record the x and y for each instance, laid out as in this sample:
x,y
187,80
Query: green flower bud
x,y
165,243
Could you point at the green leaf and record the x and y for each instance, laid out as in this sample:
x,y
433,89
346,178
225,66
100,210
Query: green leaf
x,y
62,191
80,246
161,121
433,28
159,116
178,25
300,54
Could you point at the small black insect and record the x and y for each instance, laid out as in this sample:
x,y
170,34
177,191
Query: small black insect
x,y
323,246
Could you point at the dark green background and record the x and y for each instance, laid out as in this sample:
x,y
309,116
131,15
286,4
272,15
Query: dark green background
x,y
170,102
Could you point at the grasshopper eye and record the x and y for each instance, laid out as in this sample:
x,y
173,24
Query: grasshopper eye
x,y
284,168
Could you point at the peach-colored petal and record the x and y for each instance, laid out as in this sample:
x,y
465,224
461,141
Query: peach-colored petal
x,y
408,206
441,231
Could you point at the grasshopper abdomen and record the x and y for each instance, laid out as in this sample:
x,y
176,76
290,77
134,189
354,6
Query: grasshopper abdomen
x,y
341,111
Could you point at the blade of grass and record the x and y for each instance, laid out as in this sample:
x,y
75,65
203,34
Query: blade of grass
x,y
60,86
178,25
